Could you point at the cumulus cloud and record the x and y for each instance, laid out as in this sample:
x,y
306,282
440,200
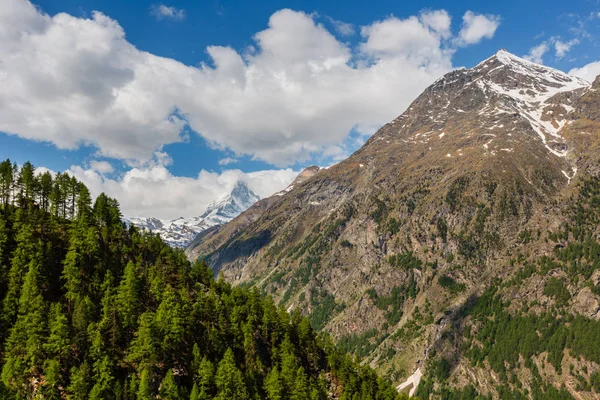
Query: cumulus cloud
x,y
227,161
588,72
76,81
161,11
536,53
343,28
102,167
154,192
562,48
476,27
415,40
439,21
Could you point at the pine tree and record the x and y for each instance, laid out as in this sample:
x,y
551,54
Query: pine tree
x,y
169,388
195,393
24,356
103,376
273,386
206,379
81,258
45,190
170,320
301,389
144,349
6,182
53,380
145,386
25,250
80,382
229,379
58,342
129,296
289,365
4,232
27,185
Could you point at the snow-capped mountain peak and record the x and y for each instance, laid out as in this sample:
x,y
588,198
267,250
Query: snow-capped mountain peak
x,y
181,231
506,85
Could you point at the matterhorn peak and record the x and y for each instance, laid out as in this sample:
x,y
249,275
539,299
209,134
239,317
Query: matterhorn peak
x,y
181,231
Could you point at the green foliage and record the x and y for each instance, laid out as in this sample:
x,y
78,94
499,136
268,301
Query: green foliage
x,y
456,192
405,261
450,284
95,310
393,303
556,288
442,227
324,307
393,226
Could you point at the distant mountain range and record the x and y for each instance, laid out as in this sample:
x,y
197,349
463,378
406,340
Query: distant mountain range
x,y
181,231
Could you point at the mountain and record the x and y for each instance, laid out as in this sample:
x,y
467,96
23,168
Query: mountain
x,y
181,231
92,310
212,238
472,214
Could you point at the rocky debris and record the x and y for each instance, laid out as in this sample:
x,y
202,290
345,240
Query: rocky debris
x,y
587,304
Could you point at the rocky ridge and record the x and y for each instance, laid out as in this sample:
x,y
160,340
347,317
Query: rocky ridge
x,y
387,249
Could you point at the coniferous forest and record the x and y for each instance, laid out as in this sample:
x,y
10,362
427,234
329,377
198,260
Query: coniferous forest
x,y
93,309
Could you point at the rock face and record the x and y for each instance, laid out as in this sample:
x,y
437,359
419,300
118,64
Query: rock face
x,y
386,248
181,232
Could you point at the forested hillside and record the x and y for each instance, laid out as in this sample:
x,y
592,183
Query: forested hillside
x,y
94,310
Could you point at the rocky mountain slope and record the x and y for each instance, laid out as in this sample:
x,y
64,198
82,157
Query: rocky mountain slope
x,y
181,232
412,251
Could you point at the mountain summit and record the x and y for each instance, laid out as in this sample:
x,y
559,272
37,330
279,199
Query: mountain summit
x,y
181,231
454,203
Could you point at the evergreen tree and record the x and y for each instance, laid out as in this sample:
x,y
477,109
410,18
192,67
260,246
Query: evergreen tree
x,y
23,254
301,389
58,342
229,379
24,355
206,379
130,296
80,378
104,378
145,386
273,386
169,388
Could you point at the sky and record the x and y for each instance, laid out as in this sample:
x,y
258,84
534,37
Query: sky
x,y
166,105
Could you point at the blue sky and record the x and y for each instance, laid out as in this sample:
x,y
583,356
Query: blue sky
x,y
183,98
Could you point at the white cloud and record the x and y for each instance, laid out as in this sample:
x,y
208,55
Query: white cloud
x,y
74,81
536,53
439,21
102,167
227,161
343,28
154,192
588,72
562,48
476,27
161,11
413,40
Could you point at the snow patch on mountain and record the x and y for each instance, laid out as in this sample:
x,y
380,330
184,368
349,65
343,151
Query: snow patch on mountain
x,y
530,90
181,231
